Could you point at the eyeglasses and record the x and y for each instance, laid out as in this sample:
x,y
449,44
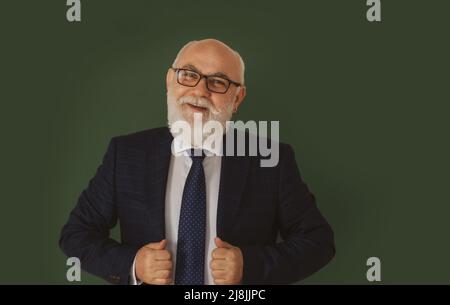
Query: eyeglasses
x,y
215,84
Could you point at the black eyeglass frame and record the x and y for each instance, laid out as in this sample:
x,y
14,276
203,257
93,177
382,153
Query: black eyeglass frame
x,y
177,71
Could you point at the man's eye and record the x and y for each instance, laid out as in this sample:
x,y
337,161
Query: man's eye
x,y
218,82
190,75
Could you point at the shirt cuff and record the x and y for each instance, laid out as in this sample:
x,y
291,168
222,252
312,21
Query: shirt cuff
x,y
133,278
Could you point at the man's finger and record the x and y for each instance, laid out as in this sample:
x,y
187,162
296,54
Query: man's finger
x,y
158,246
162,265
162,281
219,274
163,274
219,253
222,244
162,255
218,264
220,281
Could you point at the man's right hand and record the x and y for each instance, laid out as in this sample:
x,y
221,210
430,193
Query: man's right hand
x,y
154,264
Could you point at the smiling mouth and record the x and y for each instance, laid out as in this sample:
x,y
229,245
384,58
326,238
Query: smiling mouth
x,y
197,108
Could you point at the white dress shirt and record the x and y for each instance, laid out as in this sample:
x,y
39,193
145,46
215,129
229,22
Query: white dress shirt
x,y
179,167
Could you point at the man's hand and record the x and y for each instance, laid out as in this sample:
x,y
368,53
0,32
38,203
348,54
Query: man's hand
x,y
154,264
227,263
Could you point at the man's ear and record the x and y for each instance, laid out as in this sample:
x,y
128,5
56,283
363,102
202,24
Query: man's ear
x,y
169,76
239,98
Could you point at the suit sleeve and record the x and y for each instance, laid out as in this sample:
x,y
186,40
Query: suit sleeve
x,y
86,233
308,242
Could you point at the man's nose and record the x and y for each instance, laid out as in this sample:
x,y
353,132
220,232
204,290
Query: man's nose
x,y
201,89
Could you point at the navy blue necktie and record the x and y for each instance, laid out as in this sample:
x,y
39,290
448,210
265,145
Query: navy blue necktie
x,y
190,263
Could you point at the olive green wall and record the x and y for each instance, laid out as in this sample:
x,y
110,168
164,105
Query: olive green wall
x,y
365,105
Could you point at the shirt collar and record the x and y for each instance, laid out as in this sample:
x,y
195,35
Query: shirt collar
x,y
180,147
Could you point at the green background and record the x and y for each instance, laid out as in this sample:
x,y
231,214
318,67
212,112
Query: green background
x,y
365,105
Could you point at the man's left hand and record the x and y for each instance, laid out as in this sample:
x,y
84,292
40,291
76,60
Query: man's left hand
x,y
227,263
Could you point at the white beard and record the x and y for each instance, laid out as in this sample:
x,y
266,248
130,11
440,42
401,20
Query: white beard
x,y
176,113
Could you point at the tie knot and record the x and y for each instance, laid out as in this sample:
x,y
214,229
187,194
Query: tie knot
x,y
197,155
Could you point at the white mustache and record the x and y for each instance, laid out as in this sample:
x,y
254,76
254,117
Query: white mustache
x,y
199,102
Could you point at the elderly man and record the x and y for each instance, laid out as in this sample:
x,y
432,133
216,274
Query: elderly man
x,y
190,217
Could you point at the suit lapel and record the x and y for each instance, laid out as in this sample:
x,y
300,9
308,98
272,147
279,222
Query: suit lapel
x,y
158,161
233,177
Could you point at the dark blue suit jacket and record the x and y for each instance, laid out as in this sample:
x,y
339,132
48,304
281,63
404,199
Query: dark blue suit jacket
x,y
255,204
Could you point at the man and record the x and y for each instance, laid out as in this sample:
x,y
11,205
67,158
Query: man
x,y
195,216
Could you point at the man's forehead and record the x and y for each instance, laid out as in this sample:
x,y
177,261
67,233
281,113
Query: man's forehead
x,y
208,61
192,67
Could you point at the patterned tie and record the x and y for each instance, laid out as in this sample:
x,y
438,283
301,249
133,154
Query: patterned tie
x,y
192,226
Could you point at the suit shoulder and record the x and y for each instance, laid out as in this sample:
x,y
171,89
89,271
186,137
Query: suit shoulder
x,y
142,139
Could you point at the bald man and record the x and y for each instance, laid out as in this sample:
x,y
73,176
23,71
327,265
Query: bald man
x,y
188,213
